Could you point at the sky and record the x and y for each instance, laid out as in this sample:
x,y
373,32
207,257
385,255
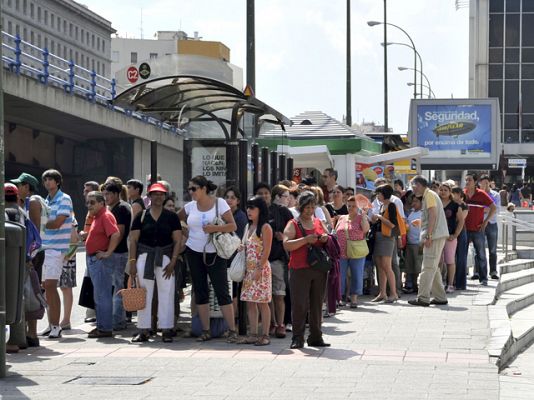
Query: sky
x,y
301,48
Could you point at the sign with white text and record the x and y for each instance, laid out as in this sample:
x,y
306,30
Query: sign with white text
x,y
209,162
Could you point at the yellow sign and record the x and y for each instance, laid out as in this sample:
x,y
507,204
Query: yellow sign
x,y
404,167
248,91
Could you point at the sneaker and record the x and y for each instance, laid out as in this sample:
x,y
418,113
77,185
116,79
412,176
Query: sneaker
x,y
45,332
55,332
494,276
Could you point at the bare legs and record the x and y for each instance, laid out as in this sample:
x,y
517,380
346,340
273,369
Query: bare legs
x,y
386,276
67,306
54,303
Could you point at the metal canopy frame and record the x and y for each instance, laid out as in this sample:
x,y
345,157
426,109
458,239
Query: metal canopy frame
x,y
199,99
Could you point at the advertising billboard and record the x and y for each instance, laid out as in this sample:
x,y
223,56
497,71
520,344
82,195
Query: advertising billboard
x,y
458,133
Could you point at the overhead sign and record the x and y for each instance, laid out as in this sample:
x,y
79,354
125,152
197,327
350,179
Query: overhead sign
x,y
517,163
132,74
144,70
457,133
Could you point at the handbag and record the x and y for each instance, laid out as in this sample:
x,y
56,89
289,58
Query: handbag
x,y
225,243
317,258
355,248
133,298
87,299
238,266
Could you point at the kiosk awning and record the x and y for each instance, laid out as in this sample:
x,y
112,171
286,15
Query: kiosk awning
x,y
308,156
414,152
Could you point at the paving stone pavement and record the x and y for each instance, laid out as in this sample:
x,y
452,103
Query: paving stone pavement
x,y
389,351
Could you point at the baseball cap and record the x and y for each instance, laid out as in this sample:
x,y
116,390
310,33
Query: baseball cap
x,y
157,187
10,189
26,178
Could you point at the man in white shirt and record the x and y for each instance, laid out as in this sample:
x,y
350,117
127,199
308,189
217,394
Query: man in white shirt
x,y
491,232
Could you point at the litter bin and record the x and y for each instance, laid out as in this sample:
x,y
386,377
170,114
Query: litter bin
x,y
15,268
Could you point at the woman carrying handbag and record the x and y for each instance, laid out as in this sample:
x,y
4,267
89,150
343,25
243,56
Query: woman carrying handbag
x,y
351,230
201,255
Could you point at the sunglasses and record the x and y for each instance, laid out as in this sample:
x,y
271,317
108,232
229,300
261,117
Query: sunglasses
x,y
193,188
90,203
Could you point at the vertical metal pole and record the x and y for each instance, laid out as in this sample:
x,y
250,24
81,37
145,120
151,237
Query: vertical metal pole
x,y
349,88
265,164
274,168
255,154
232,160
282,169
290,168
251,46
243,170
415,75
153,162
386,124
2,233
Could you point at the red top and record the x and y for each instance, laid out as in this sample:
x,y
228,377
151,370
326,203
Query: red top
x,y
355,231
103,226
476,203
298,259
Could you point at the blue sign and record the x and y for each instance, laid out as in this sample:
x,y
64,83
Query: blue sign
x,y
455,130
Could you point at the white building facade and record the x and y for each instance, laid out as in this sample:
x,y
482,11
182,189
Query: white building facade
x,y
66,28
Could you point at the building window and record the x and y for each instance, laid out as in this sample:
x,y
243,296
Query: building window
x,y
52,47
153,56
46,17
65,52
25,34
103,69
17,29
98,67
46,43
17,6
39,40
32,11
32,37
64,26
98,43
133,57
76,58
82,59
9,3
70,30
9,27
87,38
93,64
52,21
82,34
39,14
70,55
93,41
115,56
496,32
58,24
103,46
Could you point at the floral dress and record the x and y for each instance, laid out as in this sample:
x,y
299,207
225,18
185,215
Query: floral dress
x,y
256,291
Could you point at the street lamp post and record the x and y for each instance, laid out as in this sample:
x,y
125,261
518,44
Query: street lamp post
x,y
348,119
431,93
418,56
373,23
409,69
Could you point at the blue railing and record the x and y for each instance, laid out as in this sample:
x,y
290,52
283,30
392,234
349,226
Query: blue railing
x,y
24,58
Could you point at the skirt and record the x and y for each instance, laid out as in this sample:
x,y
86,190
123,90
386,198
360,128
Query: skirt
x,y
383,245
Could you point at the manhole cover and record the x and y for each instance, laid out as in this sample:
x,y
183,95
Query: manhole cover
x,y
110,380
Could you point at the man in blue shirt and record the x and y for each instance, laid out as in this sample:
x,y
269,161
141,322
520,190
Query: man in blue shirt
x,y
56,240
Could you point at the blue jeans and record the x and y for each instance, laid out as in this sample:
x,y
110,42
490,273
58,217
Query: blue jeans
x,y
100,272
491,233
479,243
356,270
462,247
119,261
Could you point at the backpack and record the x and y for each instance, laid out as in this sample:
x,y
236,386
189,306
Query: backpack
x,y
34,242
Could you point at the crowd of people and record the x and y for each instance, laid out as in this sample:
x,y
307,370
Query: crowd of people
x,y
310,249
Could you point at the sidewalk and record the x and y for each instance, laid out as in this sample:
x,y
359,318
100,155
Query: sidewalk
x,y
393,351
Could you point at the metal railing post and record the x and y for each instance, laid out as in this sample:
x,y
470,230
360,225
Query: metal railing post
x,y
43,78
69,88
93,86
514,237
113,89
18,52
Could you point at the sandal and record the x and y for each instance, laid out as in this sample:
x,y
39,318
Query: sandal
x,y
252,339
205,336
232,337
263,341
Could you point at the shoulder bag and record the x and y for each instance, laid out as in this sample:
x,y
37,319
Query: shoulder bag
x,y
317,258
355,248
225,243
133,299
238,266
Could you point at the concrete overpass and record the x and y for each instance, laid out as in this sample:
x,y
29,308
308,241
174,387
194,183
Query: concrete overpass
x,y
46,127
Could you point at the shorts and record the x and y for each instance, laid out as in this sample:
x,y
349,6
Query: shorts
x,y
68,275
278,271
53,265
449,251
